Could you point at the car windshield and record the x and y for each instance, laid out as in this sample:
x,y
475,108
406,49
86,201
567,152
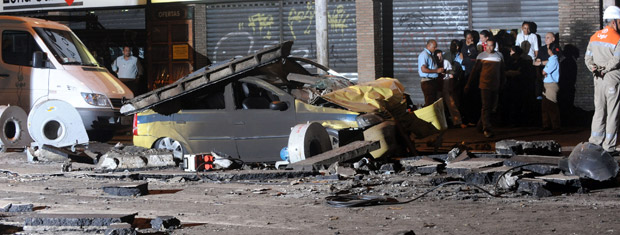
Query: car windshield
x,y
67,48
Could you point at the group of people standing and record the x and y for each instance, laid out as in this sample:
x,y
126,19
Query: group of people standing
x,y
505,75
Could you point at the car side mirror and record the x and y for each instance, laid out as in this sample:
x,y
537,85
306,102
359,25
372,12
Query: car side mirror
x,y
38,59
278,105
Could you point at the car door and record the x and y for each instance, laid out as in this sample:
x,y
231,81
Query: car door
x,y
261,132
20,83
205,122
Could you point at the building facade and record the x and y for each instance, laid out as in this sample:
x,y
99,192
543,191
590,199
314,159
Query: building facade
x,y
367,38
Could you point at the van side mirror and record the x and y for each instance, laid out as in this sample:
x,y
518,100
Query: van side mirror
x,y
39,59
278,105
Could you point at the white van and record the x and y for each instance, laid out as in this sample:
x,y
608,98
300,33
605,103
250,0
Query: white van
x,y
43,60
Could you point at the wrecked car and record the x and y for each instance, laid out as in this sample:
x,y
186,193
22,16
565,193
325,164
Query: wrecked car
x,y
243,108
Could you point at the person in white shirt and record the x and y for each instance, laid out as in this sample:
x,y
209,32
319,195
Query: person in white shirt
x,y
525,35
127,66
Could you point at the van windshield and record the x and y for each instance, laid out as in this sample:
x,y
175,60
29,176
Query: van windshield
x,y
67,48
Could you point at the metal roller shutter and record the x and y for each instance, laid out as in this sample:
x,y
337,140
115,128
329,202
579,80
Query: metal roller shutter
x,y
415,22
237,29
510,14
299,25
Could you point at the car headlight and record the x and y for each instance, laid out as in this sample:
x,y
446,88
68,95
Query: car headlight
x,y
96,99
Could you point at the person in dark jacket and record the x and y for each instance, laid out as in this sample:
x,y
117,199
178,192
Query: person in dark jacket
x,y
489,71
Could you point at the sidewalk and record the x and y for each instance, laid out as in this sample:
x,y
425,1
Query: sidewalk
x,y
567,137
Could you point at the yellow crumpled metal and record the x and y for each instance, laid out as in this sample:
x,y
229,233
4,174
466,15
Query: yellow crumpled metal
x,y
369,96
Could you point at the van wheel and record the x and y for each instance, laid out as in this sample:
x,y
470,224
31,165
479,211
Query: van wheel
x,y
171,144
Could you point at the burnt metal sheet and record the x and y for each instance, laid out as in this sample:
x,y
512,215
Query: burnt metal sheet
x,y
203,78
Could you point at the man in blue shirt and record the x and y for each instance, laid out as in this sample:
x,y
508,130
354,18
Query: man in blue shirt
x,y
429,73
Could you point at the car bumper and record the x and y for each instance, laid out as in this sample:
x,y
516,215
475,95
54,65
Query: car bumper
x,y
97,119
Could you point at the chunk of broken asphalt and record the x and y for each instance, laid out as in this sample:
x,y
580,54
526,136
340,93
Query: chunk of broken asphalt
x,y
127,189
120,229
81,220
5,208
545,164
463,167
424,165
16,208
534,187
165,223
21,208
560,179
516,147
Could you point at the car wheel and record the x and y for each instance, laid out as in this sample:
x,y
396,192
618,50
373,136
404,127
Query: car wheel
x,y
171,144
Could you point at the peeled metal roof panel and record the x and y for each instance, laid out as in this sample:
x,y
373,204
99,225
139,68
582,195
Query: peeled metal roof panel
x,y
196,81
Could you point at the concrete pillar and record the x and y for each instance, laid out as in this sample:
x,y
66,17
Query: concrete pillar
x,y
200,36
369,40
322,46
579,19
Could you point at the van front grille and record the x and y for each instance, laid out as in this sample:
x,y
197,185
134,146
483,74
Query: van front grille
x,y
116,103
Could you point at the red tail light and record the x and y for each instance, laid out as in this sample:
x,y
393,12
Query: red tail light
x,y
135,124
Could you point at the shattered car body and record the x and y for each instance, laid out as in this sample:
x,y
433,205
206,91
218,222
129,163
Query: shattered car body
x,y
244,108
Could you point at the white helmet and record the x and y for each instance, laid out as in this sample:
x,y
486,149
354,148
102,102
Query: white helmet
x,y
612,12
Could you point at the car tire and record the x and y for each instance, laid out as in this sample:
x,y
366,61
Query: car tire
x,y
171,144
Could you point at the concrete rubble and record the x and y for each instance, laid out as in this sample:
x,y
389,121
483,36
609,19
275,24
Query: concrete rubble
x,y
136,158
